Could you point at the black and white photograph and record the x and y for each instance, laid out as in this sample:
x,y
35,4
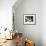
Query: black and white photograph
x,y
29,19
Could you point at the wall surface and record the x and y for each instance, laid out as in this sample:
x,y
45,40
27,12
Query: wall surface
x,y
43,22
29,31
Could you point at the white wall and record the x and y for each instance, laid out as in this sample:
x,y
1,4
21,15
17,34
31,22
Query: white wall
x,y
30,31
6,13
43,22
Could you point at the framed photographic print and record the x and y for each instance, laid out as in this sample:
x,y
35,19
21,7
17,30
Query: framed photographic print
x,y
29,18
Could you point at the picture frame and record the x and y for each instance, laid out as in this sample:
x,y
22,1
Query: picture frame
x,y
30,19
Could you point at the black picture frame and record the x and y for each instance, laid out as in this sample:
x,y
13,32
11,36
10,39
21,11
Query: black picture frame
x,y
30,19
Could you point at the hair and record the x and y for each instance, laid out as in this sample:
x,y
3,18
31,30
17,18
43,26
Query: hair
x,y
34,44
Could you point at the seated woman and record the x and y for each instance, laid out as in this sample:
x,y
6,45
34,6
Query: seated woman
x,y
18,39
